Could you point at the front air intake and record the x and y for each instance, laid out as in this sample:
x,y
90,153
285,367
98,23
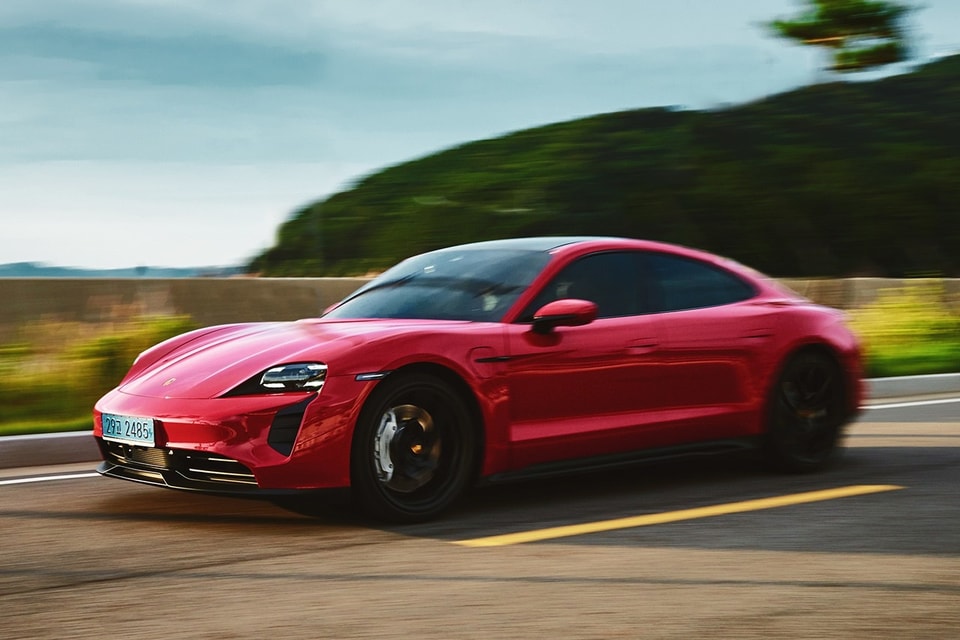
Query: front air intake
x,y
286,426
175,467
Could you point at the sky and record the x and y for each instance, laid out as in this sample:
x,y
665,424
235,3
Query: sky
x,y
183,132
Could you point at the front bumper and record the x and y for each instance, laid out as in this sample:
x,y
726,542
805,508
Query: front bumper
x,y
260,445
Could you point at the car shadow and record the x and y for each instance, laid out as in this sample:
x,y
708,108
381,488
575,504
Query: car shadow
x,y
920,519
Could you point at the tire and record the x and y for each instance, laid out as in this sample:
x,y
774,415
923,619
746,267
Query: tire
x,y
413,449
806,415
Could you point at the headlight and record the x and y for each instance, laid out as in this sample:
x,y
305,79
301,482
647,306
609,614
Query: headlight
x,y
298,376
294,377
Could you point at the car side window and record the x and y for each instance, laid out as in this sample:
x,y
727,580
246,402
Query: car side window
x,y
611,280
685,283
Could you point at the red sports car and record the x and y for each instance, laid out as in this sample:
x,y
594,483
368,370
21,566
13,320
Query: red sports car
x,y
486,362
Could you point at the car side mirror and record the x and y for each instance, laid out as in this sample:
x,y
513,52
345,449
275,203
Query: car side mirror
x,y
568,312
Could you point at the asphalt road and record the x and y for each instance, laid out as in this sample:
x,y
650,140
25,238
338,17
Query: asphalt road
x,y
687,549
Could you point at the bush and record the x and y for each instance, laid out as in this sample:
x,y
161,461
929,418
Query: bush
x,y
912,330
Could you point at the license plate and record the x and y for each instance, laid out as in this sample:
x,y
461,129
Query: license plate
x,y
130,429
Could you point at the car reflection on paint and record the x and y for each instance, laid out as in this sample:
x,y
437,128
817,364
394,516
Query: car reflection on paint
x,y
490,362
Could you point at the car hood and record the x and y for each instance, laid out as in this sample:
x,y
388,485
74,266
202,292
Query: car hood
x,y
216,361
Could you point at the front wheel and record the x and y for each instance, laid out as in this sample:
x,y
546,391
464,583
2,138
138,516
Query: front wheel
x,y
806,414
413,449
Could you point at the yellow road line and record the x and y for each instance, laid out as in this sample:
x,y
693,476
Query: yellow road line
x,y
677,516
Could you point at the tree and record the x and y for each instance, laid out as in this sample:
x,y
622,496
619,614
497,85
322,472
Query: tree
x,y
860,34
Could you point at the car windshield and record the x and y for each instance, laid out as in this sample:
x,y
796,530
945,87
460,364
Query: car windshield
x,y
451,284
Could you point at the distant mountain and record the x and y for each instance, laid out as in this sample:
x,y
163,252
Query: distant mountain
x,y
40,270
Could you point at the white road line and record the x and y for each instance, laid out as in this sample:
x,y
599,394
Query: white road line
x,y
917,403
69,476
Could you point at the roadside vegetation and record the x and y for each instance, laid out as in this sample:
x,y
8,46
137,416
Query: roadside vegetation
x,y
54,372
911,330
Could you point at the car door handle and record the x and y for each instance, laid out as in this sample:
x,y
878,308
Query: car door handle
x,y
642,345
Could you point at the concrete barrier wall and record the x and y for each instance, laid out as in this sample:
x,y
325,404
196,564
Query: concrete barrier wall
x,y
207,301
222,300
851,293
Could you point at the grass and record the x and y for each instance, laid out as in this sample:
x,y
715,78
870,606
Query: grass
x,y
914,360
48,426
913,330
54,372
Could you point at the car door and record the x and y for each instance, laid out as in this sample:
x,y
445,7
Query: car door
x,y
713,338
585,391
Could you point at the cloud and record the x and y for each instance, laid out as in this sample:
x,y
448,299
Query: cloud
x,y
191,59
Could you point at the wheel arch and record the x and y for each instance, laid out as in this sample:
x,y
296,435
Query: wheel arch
x,y
799,435
465,393
817,347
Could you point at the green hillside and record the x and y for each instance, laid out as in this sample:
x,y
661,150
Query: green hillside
x,y
846,178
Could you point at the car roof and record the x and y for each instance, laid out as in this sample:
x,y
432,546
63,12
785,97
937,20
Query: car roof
x,y
543,243
576,243
579,244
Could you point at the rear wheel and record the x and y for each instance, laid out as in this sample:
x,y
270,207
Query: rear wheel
x,y
412,449
806,414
